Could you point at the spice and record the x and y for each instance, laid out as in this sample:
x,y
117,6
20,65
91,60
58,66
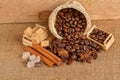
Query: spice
x,y
63,54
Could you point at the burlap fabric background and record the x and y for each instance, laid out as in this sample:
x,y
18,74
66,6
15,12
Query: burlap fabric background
x,y
106,67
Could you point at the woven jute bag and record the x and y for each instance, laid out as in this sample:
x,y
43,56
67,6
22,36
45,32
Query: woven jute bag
x,y
70,4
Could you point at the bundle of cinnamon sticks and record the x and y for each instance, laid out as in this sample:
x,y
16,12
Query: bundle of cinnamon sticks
x,y
46,56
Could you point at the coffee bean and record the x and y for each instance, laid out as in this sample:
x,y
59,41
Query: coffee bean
x,y
65,30
86,42
79,25
67,47
71,43
82,42
73,26
75,22
66,26
64,41
76,46
72,50
83,24
71,22
83,37
77,18
76,36
94,45
68,37
66,34
59,32
85,47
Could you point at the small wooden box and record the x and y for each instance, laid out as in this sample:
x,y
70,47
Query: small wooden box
x,y
107,42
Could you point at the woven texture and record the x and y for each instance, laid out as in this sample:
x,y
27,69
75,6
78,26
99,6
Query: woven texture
x,y
106,67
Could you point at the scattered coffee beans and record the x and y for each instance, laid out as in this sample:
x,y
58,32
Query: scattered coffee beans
x,y
98,35
81,49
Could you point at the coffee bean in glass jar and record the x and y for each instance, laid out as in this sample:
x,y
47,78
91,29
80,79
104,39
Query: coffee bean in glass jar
x,y
70,23
98,35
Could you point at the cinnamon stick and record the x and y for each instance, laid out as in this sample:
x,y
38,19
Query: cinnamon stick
x,y
43,58
48,54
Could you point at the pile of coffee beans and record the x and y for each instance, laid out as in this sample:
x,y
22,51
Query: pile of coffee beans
x,y
82,49
98,35
70,23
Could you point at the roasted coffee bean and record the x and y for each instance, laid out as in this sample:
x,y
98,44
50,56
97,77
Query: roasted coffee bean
x,y
73,18
77,18
59,32
60,28
79,25
83,37
65,30
93,36
76,41
77,46
82,30
76,36
65,34
54,50
75,22
82,42
80,21
64,41
83,24
73,26
68,37
71,22
94,45
77,29
85,47
60,13
65,26
86,42
67,48
72,50
71,42
59,21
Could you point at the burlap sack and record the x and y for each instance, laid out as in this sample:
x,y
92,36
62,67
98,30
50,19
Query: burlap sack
x,y
70,4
